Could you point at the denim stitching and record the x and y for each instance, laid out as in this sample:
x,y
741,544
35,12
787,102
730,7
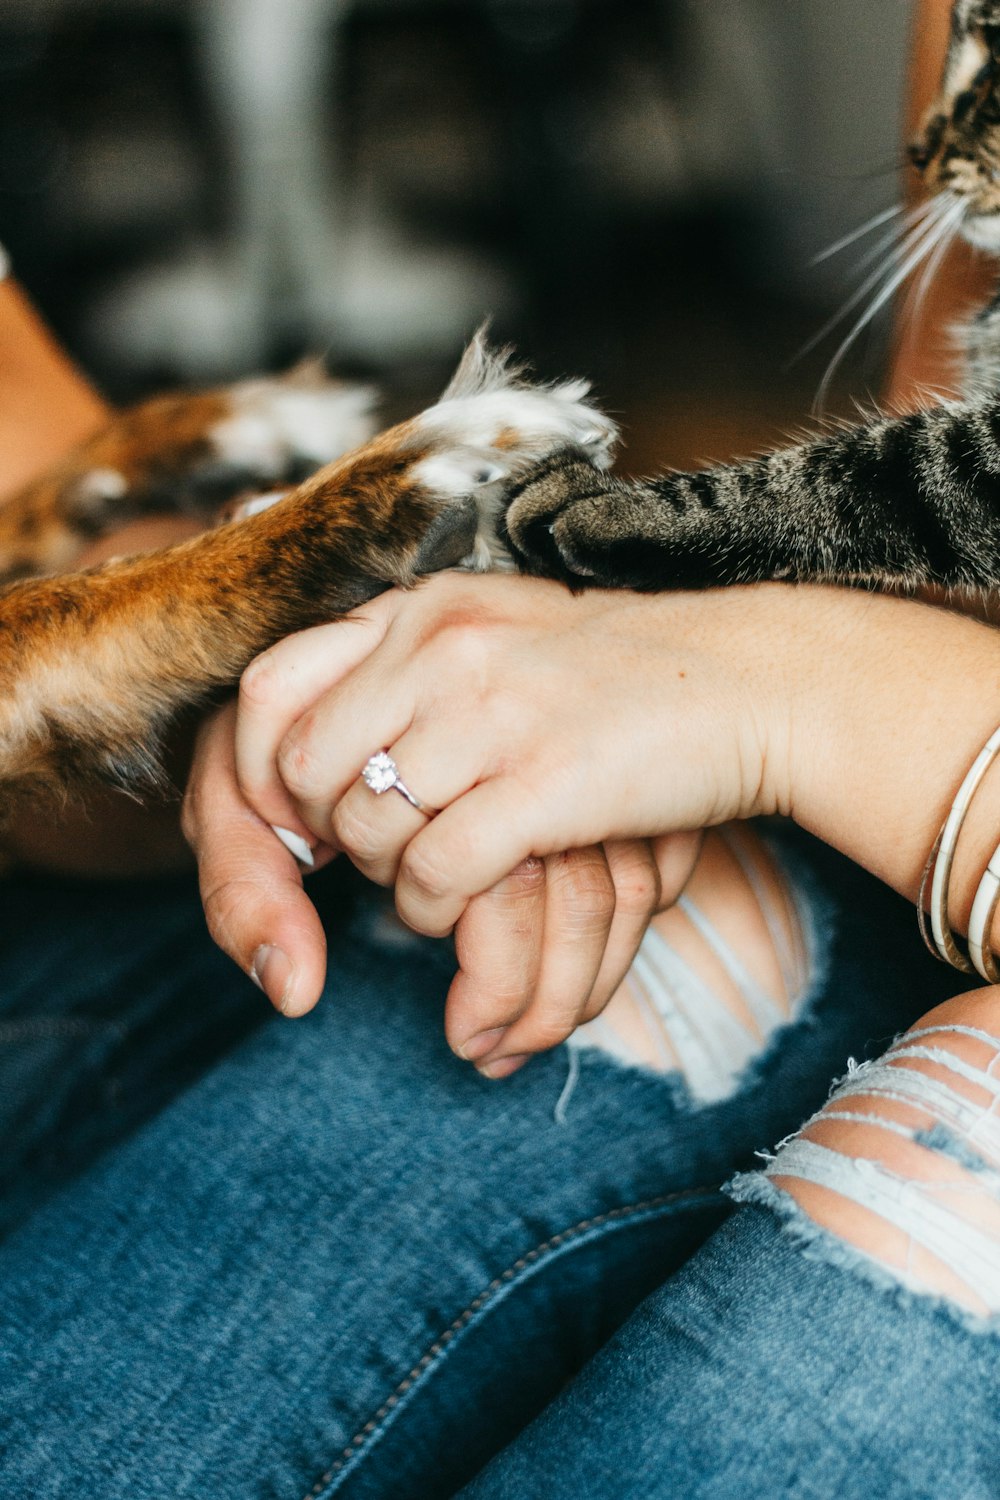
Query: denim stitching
x,y
578,1234
36,1027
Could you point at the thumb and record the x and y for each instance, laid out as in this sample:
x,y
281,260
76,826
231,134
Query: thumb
x,y
251,887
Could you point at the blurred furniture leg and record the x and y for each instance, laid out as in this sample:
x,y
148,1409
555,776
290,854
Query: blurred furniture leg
x,y
270,64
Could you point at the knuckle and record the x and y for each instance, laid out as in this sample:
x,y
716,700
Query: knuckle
x,y
353,832
260,681
548,1031
299,767
527,879
588,894
504,1002
226,906
425,873
637,889
462,637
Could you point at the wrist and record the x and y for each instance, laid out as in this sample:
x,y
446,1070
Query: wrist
x,y
894,700
726,679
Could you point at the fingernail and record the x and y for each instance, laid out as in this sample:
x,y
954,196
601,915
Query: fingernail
x,y
504,1066
481,1043
272,972
295,844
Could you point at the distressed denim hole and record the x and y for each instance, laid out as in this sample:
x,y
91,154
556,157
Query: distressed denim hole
x,y
717,974
903,1163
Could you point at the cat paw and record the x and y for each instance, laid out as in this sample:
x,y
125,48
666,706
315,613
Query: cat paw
x,y
207,451
492,427
563,520
569,521
282,428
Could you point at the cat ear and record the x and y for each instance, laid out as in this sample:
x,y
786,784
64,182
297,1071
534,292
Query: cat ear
x,y
89,499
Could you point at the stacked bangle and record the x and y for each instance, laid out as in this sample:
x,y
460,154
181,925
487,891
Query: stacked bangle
x,y
941,940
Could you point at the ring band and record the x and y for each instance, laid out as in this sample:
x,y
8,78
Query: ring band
x,y
381,774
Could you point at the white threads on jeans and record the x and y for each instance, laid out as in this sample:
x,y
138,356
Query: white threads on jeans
x,y
674,1017
887,1080
947,1205
928,1212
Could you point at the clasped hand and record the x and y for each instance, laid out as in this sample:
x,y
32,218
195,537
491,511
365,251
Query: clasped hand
x,y
574,744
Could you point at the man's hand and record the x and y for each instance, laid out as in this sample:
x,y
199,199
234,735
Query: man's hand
x,y
251,886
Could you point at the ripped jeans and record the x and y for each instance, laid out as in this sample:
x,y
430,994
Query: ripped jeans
x,y
252,1259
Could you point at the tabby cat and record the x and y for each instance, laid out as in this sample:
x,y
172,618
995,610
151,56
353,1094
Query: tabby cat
x,y
909,500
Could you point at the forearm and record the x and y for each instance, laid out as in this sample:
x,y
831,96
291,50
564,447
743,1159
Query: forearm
x,y
892,701
46,404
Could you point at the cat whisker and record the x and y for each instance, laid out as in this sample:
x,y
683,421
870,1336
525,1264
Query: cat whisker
x,y
895,164
914,306
883,244
930,218
911,218
940,230
856,234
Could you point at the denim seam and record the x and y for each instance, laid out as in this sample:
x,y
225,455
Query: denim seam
x,y
516,1274
33,1027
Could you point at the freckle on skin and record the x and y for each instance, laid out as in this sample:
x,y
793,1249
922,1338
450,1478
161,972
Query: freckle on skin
x,y
682,674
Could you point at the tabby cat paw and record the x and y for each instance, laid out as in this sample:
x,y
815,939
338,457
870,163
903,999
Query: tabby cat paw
x,y
569,521
562,522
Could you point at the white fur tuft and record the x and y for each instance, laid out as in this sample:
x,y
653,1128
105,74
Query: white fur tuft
x,y
484,369
304,414
490,404
493,424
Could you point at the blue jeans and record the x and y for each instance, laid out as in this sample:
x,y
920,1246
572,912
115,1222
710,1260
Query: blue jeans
x,y
251,1259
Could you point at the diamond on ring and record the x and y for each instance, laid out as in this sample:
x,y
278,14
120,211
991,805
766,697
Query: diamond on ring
x,y
381,774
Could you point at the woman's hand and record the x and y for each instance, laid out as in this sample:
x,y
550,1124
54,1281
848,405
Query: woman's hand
x,y
541,722
536,720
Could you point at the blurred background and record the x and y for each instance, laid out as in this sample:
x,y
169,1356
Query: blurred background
x,y
633,190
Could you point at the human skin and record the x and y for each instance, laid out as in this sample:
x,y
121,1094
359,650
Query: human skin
x,y
47,407
539,721
493,930
923,360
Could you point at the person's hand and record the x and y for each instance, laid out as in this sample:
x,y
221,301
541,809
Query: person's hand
x,y
544,722
251,886
538,721
546,948
539,954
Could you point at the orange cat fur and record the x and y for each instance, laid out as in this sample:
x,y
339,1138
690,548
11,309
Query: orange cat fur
x,y
94,665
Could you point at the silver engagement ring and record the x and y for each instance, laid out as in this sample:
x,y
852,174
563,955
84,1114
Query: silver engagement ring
x,y
381,774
